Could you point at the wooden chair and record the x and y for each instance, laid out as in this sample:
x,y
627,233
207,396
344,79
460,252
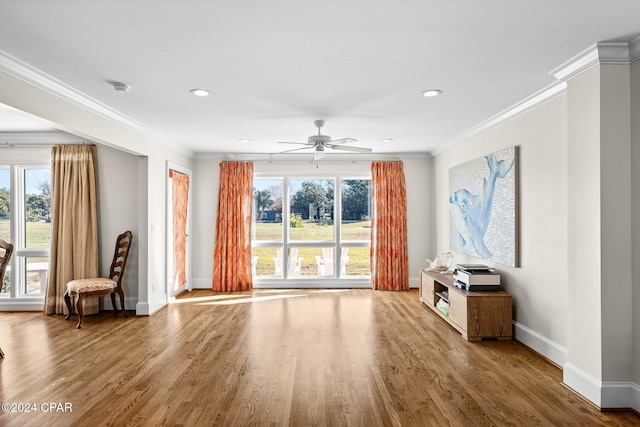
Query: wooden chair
x,y
5,257
102,285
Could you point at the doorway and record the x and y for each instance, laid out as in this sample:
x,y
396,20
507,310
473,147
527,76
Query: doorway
x,y
178,229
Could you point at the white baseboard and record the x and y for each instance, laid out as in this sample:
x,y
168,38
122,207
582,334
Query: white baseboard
x,y
583,383
605,395
543,345
635,397
147,308
201,283
21,304
616,395
414,282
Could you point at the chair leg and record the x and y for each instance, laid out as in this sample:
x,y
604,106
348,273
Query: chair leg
x,y
80,311
113,303
67,301
121,294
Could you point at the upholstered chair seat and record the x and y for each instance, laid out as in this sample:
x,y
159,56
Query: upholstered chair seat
x,y
78,286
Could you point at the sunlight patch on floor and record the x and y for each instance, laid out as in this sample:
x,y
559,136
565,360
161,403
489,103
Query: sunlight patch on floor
x,y
252,299
206,298
256,295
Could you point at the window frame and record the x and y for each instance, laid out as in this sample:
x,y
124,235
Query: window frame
x,y
336,280
18,295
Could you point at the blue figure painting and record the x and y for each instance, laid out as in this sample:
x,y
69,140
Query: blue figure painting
x,y
482,207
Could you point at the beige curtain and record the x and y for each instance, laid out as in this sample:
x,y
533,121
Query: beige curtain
x,y
389,254
180,197
74,228
232,252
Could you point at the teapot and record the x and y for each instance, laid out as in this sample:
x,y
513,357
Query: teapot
x,y
441,263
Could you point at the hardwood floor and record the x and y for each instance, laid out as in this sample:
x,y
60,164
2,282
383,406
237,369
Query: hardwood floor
x,y
278,358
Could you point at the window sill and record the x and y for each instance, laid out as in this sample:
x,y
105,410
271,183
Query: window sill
x,y
22,304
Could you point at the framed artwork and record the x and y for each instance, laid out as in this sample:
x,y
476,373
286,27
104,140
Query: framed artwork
x,y
483,207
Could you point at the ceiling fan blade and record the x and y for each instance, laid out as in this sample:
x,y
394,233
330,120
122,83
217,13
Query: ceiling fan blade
x,y
297,143
343,140
295,149
350,148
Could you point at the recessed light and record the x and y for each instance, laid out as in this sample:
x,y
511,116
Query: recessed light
x,y
200,92
245,140
121,87
431,93
387,140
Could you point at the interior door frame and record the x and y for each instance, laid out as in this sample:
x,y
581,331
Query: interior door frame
x,y
171,292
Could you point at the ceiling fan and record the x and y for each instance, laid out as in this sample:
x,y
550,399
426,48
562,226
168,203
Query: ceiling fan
x,y
319,142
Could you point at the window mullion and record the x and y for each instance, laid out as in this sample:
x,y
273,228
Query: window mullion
x,y
14,201
286,203
337,221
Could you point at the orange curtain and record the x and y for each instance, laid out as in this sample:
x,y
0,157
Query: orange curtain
x,y
389,255
232,252
180,197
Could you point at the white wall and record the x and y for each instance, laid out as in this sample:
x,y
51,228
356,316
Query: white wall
x,y
584,230
600,236
206,183
118,212
420,210
635,212
539,285
205,191
70,116
615,184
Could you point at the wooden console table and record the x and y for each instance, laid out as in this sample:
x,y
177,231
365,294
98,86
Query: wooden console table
x,y
476,315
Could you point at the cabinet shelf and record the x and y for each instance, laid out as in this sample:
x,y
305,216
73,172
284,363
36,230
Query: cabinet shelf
x,y
443,295
476,315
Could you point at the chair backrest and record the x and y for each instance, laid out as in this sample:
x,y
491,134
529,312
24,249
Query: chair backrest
x,y
123,244
5,257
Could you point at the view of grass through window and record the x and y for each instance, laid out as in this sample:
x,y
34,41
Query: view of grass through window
x,y
34,217
312,244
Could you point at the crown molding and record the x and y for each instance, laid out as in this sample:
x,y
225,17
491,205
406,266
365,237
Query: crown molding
x,y
599,53
634,49
583,61
33,76
541,97
44,138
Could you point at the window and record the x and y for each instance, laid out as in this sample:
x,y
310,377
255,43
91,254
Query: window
x,y
25,221
5,223
355,229
311,229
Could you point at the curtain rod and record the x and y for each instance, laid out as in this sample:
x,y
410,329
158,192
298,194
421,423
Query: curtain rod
x,y
278,157
7,144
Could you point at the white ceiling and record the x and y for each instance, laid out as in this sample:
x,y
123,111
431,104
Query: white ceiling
x,y
275,66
